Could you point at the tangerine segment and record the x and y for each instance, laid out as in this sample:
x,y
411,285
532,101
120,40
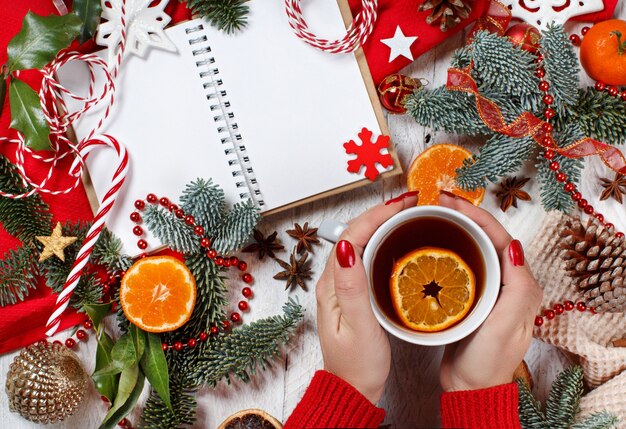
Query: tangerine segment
x,y
434,170
158,293
431,289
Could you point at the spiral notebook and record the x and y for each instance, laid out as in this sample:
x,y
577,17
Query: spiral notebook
x,y
260,112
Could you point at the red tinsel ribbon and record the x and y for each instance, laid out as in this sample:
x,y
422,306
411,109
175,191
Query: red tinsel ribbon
x,y
528,125
496,19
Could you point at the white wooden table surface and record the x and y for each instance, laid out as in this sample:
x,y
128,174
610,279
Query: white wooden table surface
x,y
412,393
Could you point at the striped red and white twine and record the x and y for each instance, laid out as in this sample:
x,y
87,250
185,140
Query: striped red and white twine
x,y
357,33
59,119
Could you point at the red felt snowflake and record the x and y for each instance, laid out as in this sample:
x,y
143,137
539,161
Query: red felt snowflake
x,y
368,154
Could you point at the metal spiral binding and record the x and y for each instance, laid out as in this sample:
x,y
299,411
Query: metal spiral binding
x,y
230,138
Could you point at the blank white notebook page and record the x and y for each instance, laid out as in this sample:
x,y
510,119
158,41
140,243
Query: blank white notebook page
x,y
294,105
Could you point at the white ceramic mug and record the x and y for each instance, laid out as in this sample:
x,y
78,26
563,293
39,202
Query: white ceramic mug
x,y
331,230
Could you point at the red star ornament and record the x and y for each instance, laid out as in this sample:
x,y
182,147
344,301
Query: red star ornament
x,y
368,154
398,22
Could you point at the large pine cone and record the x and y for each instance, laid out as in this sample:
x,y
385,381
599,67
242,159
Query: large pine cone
x,y
447,13
596,260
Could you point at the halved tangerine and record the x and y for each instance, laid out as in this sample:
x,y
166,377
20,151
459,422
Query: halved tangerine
x,y
431,289
158,293
434,170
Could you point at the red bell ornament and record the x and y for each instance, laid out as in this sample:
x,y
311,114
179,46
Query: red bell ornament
x,y
393,90
525,36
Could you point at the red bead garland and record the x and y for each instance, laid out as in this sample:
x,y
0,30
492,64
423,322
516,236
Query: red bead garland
x,y
205,242
558,309
549,154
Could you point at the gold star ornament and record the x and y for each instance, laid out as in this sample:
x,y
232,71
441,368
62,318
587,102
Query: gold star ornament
x,y
54,244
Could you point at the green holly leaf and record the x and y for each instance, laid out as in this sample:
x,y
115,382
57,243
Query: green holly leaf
x,y
40,39
89,12
126,352
128,391
27,116
106,384
154,365
97,312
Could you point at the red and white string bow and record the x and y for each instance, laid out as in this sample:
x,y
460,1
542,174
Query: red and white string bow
x,y
357,33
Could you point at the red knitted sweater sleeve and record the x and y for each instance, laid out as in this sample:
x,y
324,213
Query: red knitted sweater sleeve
x,y
330,402
495,407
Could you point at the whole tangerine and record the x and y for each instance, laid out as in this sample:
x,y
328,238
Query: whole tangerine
x,y
603,52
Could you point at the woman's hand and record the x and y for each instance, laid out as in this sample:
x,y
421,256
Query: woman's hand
x,y
354,346
489,356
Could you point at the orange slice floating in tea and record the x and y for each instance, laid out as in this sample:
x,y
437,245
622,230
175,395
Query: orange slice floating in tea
x,y
431,289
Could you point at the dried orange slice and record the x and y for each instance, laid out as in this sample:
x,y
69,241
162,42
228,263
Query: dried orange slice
x,y
434,170
252,418
158,293
431,289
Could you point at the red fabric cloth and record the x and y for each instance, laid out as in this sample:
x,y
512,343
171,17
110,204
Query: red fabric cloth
x,y
404,13
24,323
495,407
330,402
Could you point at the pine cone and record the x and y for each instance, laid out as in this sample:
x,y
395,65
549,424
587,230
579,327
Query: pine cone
x,y
596,260
448,13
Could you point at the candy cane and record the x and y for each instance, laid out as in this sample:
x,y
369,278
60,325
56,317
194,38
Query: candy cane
x,y
59,119
357,33
98,224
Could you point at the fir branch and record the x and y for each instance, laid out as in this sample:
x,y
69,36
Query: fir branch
x,y
169,230
601,116
553,196
211,298
23,218
226,15
495,56
600,420
561,66
205,201
236,227
18,275
442,110
108,252
240,352
500,156
156,415
564,398
461,57
530,414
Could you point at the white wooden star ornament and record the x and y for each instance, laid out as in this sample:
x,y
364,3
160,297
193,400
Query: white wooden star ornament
x,y
145,21
54,244
541,13
400,45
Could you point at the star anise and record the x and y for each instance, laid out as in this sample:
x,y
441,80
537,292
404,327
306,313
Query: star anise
x,y
296,271
306,237
264,245
510,191
614,188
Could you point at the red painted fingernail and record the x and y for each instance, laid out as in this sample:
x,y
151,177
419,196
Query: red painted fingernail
x,y
401,197
345,254
455,196
516,253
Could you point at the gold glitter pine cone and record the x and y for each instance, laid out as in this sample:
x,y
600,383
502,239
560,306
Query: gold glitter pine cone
x,y
595,258
46,383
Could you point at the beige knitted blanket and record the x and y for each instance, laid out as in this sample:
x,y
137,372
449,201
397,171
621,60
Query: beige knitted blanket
x,y
585,335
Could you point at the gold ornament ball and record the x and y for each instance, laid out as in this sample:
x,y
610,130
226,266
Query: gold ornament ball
x,y
46,383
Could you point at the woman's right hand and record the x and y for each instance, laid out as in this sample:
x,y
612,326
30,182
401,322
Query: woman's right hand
x,y
489,356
